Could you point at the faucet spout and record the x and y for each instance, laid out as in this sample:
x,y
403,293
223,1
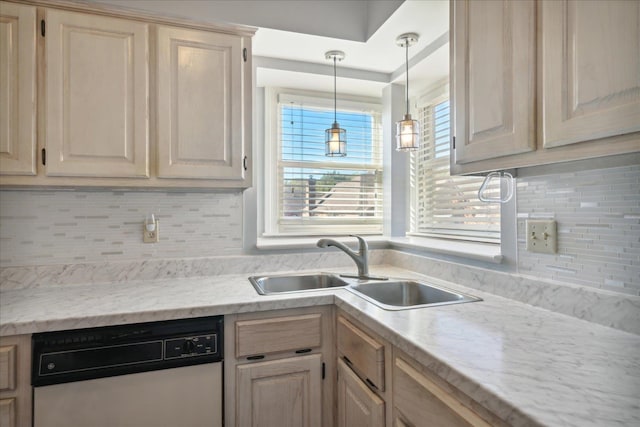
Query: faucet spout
x,y
361,258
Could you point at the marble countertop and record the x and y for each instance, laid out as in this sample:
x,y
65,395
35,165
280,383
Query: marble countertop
x,y
527,365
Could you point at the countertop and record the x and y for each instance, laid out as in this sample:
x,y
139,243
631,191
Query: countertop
x,y
527,365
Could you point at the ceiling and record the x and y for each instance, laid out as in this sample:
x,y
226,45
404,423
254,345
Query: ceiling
x,y
293,37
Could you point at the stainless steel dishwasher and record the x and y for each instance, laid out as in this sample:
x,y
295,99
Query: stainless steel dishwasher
x,y
146,374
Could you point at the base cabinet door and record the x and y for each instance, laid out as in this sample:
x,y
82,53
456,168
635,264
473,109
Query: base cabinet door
x,y
280,393
357,405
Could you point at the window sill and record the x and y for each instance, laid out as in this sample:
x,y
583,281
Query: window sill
x,y
486,252
275,243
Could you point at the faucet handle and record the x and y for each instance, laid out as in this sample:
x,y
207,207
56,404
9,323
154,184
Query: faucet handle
x,y
363,248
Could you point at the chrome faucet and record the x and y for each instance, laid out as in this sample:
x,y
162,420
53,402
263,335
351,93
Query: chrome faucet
x,y
361,257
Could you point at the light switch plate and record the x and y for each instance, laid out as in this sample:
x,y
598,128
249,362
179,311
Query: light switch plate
x,y
542,236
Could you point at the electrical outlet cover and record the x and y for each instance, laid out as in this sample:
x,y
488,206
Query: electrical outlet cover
x,y
542,236
151,236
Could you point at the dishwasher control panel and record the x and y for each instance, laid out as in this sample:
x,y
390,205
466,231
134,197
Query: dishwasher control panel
x,y
190,346
83,354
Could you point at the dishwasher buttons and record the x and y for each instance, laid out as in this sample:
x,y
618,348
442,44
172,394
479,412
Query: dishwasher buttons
x,y
190,346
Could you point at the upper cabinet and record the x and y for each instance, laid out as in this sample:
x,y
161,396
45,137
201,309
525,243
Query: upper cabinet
x,y
539,82
590,70
97,110
200,105
494,79
17,89
123,100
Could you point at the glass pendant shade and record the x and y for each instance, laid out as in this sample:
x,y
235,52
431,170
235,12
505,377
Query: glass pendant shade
x,y
407,134
335,141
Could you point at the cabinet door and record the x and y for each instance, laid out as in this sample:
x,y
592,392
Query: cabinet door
x,y
493,65
200,105
357,405
97,96
422,402
590,62
283,393
17,89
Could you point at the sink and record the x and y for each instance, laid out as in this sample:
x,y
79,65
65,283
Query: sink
x,y
278,284
406,294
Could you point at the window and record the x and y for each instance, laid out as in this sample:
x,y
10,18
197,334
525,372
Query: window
x,y
447,206
318,194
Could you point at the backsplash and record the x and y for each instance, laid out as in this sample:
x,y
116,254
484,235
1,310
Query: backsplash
x,y
598,217
67,227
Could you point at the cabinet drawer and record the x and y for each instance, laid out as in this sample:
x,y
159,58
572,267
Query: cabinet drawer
x,y
7,367
364,353
420,400
278,334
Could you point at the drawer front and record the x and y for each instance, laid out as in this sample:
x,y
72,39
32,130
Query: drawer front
x,y
280,334
7,367
421,401
364,353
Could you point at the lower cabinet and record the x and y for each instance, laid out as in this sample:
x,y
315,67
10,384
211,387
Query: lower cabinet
x,y
357,405
421,399
284,392
277,366
15,377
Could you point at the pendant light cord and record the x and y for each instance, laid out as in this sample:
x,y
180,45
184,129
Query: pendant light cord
x,y
406,61
335,104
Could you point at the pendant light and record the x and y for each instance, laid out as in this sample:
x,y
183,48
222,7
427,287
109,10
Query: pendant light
x,y
407,130
335,138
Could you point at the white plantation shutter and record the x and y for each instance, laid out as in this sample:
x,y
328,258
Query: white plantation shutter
x,y
442,205
328,194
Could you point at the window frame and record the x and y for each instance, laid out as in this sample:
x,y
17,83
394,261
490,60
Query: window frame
x,y
270,197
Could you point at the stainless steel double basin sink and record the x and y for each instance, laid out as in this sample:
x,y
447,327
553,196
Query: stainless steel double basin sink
x,y
389,294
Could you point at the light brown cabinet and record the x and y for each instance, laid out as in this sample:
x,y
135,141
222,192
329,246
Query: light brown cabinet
x,y
201,133
276,366
97,80
15,381
422,399
364,390
282,392
358,406
123,99
531,86
17,89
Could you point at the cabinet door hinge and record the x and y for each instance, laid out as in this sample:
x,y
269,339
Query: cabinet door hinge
x,y
43,27
323,370
453,143
44,157
244,54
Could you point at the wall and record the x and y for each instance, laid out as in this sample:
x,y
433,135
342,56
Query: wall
x,y
58,227
598,214
598,217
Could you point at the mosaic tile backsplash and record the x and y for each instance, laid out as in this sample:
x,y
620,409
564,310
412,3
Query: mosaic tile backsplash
x,y
598,219
67,227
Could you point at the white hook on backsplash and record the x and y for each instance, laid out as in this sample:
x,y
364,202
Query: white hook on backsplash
x,y
503,177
